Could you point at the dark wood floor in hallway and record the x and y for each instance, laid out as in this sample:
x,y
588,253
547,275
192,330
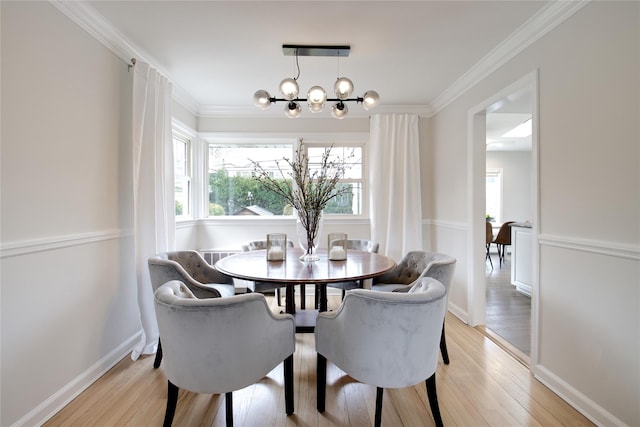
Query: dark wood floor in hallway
x,y
508,312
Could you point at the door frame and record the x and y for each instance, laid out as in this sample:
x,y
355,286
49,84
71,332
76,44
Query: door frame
x,y
476,187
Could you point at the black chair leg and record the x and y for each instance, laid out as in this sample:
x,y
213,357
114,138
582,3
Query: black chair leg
x,y
379,393
433,400
443,347
158,359
321,382
172,400
279,297
228,407
344,293
288,384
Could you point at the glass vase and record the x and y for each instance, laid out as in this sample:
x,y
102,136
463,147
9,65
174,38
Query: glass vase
x,y
308,229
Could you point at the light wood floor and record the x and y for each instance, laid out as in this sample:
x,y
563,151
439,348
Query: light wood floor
x,y
508,312
483,386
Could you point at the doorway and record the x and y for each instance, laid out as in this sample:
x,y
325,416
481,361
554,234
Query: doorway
x,y
519,98
508,198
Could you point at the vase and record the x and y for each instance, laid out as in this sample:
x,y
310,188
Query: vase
x,y
308,229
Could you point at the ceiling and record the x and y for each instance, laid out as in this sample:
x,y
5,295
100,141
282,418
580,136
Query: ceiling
x,y
218,53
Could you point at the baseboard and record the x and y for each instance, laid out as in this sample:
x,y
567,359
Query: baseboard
x,y
47,409
587,407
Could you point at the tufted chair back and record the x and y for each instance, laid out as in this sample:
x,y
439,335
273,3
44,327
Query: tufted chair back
x,y
203,280
363,245
413,266
255,245
210,344
385,339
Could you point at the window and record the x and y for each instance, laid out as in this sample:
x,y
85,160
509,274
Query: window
x,y
233,191
349,202
182,172
494,195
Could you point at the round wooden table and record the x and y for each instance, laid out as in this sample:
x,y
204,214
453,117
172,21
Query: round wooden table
x,y
253,265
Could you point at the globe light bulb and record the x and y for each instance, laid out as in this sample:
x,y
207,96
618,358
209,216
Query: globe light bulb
x,y
262,99
343,88
289,89
339,110
316,97
292,109
370,100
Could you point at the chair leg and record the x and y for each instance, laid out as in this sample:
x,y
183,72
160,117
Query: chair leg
x,y
489,256
379,393
303,296
321,382
288,384
433,399
279,297
172,400
443,347
344,293
158,359
228,404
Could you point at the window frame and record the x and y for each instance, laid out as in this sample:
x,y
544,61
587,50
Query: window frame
x,y
358,139
186,135
497,173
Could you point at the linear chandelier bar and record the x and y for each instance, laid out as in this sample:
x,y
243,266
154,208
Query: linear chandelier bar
x,y
315,50
316,96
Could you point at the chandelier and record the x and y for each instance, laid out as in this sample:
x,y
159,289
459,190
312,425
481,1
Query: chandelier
x,y
316,95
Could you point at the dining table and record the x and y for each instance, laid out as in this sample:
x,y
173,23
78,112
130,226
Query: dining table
x,y
254,266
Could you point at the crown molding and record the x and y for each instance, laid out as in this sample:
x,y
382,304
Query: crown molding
x,y
537,26
97,26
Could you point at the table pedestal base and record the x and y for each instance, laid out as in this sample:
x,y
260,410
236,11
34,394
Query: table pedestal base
x,y
305,319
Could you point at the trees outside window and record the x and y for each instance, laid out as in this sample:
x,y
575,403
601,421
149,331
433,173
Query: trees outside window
x,y
233,191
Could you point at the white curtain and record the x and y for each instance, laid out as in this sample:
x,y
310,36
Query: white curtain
x,y
396,208
153,188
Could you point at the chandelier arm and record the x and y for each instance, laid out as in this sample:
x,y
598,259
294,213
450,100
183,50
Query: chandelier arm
x,y
358,99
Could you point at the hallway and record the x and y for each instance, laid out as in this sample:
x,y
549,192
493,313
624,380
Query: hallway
x,y
508,312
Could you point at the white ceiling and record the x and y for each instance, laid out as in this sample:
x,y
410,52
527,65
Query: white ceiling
x,y
218,53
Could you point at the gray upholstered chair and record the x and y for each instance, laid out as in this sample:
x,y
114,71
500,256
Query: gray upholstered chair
x,y
414,266
386,339
355,245
203,280
210,344
255,245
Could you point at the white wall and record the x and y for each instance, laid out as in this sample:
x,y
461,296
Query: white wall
x,y
588,300
516,183
68,296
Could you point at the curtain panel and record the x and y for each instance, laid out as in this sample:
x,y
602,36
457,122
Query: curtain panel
x,y
395,193
153,188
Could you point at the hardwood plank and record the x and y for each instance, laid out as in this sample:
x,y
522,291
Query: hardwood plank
x,y
483,386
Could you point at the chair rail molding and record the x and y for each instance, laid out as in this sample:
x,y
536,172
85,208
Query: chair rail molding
x,y
25,247
615,249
